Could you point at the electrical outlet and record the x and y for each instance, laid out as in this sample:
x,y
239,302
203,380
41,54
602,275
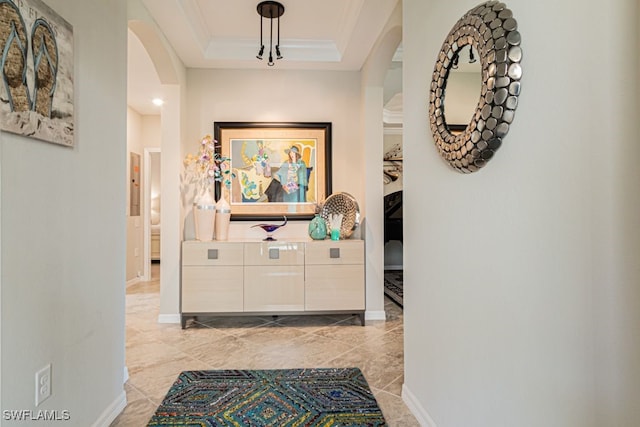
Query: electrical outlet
x,y
43,384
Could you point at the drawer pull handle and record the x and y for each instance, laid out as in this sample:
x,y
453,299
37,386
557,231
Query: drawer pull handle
x,y
212,254
334,252
274,253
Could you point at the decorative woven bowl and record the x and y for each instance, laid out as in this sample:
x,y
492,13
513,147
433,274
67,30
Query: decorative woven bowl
x,y
345,204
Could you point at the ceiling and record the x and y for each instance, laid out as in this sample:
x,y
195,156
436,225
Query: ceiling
x,y
314,35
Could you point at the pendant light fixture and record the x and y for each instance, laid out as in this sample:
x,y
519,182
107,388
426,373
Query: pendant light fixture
x,y
270,10
472,58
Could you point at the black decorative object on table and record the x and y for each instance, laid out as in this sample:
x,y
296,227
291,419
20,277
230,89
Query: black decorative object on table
x,y
270,228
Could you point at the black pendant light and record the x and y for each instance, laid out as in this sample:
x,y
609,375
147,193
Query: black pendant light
x,y
270,10
472,58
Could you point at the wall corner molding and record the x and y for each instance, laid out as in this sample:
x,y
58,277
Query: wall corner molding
x,y
375,315
421,414
112,411
168,318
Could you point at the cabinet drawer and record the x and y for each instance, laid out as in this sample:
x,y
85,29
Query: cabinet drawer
x,y
329,252
337,288
274,288
212,289
212,253
274,253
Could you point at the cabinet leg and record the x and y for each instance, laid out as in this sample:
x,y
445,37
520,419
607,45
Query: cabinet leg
x,y
361,315
183,321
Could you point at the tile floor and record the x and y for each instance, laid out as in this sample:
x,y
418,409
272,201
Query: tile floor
x,y
157,353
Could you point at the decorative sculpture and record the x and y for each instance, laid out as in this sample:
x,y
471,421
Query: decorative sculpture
x,y
270,228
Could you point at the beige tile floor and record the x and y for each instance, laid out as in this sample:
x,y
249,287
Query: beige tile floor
x,y
157,353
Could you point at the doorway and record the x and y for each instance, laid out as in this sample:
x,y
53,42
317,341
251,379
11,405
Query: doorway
x,y
152,223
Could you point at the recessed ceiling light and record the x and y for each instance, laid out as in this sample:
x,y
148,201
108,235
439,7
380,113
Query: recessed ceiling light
x,y
157,101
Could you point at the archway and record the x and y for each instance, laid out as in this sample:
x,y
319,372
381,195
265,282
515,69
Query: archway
x,y
171,74
373,133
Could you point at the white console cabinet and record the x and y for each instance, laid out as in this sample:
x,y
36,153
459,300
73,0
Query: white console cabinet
x,y
278,277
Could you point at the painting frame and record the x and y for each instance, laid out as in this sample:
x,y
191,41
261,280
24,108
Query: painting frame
x,y
259,155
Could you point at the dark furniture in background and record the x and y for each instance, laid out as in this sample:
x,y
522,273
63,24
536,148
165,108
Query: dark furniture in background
x,y
393,216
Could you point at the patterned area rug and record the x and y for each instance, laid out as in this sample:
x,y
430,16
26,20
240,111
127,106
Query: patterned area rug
x,y
393,285
281,397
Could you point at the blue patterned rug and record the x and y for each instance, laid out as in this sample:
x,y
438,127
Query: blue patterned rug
x,y
282,397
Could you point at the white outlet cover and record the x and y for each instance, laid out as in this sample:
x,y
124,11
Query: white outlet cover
x,y
43,384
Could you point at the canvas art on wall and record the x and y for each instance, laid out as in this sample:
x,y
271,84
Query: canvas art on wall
x,y
36,94
279,169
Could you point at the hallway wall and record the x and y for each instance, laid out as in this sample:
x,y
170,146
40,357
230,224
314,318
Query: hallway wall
x,y
521,280
283,96
63,236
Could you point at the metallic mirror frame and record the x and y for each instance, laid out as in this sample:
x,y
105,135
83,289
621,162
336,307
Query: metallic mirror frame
x,y
492,30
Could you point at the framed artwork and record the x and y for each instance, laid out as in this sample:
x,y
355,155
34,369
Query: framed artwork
x,y
279,169
37,82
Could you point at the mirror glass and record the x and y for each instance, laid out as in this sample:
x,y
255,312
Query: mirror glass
x,y
464,85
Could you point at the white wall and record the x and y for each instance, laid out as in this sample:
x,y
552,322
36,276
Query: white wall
x,y
63,236
282,96
521,280
616,202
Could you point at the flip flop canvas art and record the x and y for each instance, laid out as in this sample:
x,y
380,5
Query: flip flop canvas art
x,y
36,69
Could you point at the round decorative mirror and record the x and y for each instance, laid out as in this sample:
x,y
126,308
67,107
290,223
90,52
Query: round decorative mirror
x,y
490,31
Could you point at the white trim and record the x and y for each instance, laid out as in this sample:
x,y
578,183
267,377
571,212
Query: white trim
x,y
133,281
421,414
168,318
146,226
112,411
295,49
125,376
348,23
375,315
392,117
392,130
398,55
393,267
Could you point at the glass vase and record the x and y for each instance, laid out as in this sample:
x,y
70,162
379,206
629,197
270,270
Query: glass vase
x,y
317,228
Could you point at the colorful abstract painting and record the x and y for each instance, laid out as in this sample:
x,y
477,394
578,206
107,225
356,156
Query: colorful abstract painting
x,y
279,169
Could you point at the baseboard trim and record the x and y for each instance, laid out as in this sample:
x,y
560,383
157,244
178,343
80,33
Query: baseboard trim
x,y
416,408
168,318
375,315
125,376
112,411
132,281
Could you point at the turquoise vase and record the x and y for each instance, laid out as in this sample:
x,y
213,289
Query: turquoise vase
x,y
317,228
